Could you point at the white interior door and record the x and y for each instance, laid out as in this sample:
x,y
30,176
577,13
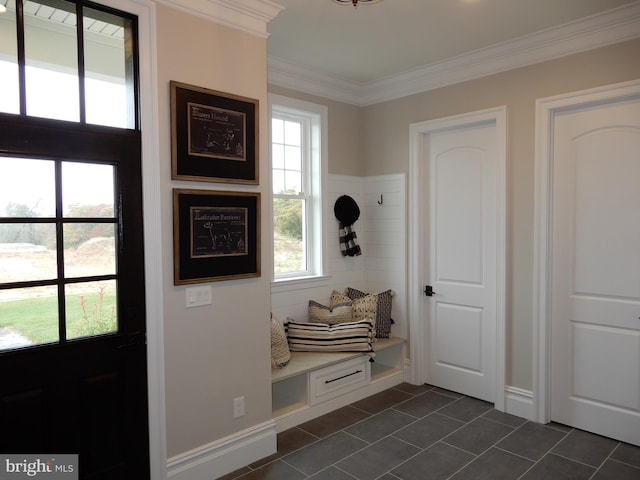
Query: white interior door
x,y
595,272
462,214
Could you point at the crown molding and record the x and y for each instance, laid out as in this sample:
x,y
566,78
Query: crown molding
x,y
613,26
251,16
288,75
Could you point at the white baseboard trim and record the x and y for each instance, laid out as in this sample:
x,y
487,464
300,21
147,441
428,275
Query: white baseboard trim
x,y
407,371
225,455
519,402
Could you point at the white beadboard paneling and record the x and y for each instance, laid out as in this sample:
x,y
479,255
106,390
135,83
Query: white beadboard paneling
x,y
392,226
342,272
291,299
298,311
382,243
371,198
283,299
384,212
377,249
344,184
383,264
384,247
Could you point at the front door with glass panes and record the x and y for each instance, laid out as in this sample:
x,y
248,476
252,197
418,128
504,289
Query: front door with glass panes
x,y
72,300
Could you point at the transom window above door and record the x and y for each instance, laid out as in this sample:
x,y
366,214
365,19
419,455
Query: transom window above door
x,y
65,60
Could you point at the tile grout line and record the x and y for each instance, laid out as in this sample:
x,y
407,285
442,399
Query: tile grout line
x,y
578,461
475,457
293,467
370,444
604,461
335,465
373,415
420,419
625,463
484,416
549,451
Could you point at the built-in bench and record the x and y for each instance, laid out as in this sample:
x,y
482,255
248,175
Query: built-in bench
x,y
313,383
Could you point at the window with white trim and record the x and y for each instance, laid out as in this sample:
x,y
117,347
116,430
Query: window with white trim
x,y
297,149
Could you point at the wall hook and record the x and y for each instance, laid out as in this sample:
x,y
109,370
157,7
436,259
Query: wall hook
x,y
381,201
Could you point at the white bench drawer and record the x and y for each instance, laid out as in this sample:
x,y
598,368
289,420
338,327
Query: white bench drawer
x,y
336,380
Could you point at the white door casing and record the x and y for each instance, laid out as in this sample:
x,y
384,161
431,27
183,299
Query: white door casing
x,y
457,211
588,261
145,11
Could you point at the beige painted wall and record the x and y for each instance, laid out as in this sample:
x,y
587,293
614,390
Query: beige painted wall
x,y
216,353
386,150
346,139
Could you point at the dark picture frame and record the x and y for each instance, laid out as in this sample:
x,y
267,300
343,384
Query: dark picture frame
x,y
214,136
216,235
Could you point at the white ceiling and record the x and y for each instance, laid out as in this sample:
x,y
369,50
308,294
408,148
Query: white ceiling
x,y
384,40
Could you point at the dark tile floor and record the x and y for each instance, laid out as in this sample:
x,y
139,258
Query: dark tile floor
x,y
419,433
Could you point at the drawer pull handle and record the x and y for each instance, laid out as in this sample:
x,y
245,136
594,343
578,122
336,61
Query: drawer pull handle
x,y
343,376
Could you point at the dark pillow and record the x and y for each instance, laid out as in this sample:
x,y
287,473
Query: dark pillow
x,y
383,310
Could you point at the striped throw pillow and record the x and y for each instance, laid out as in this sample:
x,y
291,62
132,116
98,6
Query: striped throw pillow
x,y
321,337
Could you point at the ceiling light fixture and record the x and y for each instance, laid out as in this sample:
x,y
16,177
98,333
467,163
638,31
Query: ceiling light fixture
x,y
355,3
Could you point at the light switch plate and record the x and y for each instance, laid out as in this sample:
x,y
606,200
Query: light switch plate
x,y
198,296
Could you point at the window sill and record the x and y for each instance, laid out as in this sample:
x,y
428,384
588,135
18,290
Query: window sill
x,y
299,283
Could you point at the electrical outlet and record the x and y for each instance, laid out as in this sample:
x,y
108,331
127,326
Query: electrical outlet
x,y
238,407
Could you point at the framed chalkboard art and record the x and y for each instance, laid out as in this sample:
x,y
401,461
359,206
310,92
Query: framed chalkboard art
x,y
216,235
214,136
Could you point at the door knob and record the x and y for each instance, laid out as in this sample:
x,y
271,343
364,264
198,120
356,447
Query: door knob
x,y
428,291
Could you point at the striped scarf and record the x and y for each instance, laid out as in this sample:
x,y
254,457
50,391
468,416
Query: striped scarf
x,y
348,241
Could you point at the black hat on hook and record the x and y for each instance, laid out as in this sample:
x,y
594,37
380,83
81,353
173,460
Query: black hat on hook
x,y
346,210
